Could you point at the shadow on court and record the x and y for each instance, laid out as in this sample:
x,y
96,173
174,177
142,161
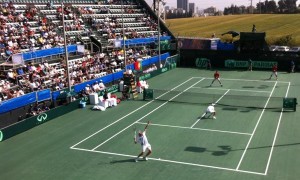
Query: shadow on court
x,y
122,161
224,150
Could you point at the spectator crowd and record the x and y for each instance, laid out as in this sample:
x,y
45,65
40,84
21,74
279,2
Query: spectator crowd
x,y
31,27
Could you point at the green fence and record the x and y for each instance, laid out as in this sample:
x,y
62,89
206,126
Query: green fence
x,y
202,62
231,63
158,72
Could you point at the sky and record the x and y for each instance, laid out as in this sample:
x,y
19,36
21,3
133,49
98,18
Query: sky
x,y
219,4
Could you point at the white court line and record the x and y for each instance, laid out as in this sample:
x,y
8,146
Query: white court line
x,y
201,129
127,115
170,161
146,115
238,166
205,110
228,79
275,136
223,89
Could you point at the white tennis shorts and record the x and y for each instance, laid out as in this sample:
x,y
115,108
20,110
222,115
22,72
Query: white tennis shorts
x,y
145,147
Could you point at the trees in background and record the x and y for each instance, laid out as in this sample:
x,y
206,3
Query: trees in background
x,y
265,7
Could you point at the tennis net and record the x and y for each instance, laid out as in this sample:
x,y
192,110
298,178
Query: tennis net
x,y
199,98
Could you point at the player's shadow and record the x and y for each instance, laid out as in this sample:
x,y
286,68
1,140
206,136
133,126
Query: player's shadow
x,y
195,149
263,87
248,87
224,150
122,161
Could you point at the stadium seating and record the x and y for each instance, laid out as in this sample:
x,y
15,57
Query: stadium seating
x,y
43,29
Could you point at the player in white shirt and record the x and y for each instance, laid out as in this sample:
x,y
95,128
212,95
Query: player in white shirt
x,y
210,111
142,139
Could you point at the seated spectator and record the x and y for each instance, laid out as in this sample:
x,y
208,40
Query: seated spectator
x,y
143,84
19,92
88,89
101,85
11,76
96,87
44,107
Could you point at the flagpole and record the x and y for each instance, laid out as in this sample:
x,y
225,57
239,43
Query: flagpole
x,y
65,46
158,24
123,31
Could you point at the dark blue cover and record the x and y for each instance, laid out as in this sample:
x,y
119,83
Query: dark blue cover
x,y
43,95
17,102
47,52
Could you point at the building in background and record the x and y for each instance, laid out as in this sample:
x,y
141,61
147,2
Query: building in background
x,y
211,11
183,4
167,8
192,8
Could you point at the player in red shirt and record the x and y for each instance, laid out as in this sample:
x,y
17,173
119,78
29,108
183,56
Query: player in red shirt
x,y
274,71
216,77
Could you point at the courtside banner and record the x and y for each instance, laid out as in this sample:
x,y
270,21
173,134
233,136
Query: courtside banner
x,y
230,63
194,44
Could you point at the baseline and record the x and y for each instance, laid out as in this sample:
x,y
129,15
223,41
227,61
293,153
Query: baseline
x,y
171,161
254,80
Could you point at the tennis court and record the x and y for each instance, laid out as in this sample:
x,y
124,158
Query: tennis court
x,y
252,137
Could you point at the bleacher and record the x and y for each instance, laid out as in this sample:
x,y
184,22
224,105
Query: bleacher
x,y
136,20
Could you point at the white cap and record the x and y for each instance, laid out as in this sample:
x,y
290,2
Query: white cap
x,y
213,104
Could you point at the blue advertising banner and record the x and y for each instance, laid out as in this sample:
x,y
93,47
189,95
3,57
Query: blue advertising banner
x,y
144,40
47,52
43,95
17,102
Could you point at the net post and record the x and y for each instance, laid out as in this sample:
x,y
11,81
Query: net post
x,y
148,94
290,103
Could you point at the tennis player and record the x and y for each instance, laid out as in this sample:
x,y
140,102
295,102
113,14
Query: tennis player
x,y
274,71
143,140
210,111
216,77
250,65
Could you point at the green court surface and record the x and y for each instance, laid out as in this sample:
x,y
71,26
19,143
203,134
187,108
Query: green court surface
x,y
242,143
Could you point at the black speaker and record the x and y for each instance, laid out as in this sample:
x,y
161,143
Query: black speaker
x,y
252,41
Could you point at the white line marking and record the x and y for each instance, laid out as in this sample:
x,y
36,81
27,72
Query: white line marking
x,y
246,80
223,89
238,166
128,114
170,161
205,113
275,136
201,129
146,115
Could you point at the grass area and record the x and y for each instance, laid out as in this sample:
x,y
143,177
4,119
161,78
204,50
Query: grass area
x,y
275,25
